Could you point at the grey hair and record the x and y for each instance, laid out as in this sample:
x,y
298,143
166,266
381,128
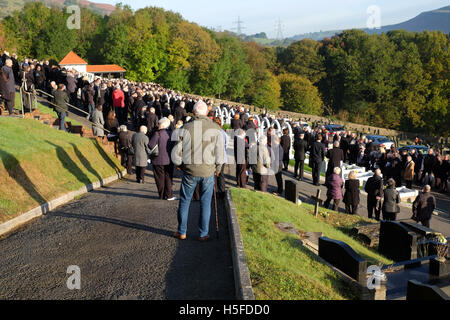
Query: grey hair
x,y
164,123
200,108
336,144
143,129
427,188
337,170
123,128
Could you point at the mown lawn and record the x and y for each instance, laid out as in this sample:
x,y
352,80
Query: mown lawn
x,y
279,267
38,164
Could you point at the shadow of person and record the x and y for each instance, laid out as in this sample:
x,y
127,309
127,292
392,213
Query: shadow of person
x,y
118,222
69,164
85,162
106,157
15,171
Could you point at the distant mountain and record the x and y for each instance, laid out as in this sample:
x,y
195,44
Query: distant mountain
x,y
8,6
431,20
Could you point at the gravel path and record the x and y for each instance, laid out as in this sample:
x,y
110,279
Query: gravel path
x,y
121,238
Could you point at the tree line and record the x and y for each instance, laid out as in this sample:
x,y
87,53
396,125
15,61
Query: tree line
x,y
397,80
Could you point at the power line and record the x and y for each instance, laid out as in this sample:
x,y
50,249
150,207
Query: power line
x,y
239,27
279,30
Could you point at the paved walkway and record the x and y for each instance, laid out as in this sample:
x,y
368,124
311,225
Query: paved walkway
x,y
121,238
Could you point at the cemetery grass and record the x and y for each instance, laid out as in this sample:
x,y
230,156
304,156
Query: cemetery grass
x,y
280,268
39,163
306,167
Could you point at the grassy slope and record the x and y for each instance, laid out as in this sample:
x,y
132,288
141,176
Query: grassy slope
x,y
279,267
43,110
38,163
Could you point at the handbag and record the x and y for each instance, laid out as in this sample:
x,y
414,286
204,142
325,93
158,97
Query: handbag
x,y
154,152
130,150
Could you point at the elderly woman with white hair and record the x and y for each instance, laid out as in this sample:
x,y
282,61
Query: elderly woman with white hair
x,y
334,184
162,166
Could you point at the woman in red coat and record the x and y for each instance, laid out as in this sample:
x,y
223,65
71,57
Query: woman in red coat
x,y
118,98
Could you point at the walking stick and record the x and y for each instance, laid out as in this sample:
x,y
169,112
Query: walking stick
x,y
215,205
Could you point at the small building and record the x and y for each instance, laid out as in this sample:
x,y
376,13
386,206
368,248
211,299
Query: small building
x,y
73,61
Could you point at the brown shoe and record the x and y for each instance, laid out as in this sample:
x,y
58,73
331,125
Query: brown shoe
x,y
179,236
203,239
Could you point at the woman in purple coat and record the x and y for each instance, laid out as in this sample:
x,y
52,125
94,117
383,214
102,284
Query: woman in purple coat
x,y
161,164
334,184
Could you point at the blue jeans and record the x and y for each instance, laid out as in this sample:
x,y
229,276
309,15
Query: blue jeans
x,y
62,120
187,189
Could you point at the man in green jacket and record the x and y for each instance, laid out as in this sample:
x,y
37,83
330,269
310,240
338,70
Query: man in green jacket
x,y
61,100
201,158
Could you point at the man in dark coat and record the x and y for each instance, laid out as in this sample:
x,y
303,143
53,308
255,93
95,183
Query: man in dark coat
x,y
180,113
61,100
9,95
423,206
335,156
374,189
300,148
152,122
285,143
316,157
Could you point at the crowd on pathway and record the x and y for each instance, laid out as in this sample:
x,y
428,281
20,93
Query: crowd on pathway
x,y
143,119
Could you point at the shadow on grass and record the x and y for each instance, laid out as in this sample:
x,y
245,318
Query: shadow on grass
x,y
15,171
69,164
86,162
106,157
338,285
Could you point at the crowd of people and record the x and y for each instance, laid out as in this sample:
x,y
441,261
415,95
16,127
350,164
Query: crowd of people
x,y
143,119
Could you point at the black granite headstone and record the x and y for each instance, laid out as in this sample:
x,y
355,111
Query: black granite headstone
x,y
418,228
419,291
397,242
291,190
343,257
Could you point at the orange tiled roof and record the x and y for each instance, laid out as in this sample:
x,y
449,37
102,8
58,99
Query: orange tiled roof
x,y
72,58
104,68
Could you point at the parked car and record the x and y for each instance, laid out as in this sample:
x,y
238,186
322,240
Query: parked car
x,y
381,141
334,128
424,149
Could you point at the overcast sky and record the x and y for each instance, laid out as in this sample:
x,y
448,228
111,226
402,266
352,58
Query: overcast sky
x,y
297,16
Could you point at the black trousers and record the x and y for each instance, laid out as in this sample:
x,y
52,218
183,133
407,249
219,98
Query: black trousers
x,y
425,222
373,205
10,101
163,181
299,164
279,178
351,209
241,175
389,216
335,203
140,174
261,181
315,166
286,161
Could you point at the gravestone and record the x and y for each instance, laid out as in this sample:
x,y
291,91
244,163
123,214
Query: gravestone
x,y
419,291
397,242
419,229
292,189
343,257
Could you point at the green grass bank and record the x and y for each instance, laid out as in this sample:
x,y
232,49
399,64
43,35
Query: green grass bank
x,y
280,268
38,164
